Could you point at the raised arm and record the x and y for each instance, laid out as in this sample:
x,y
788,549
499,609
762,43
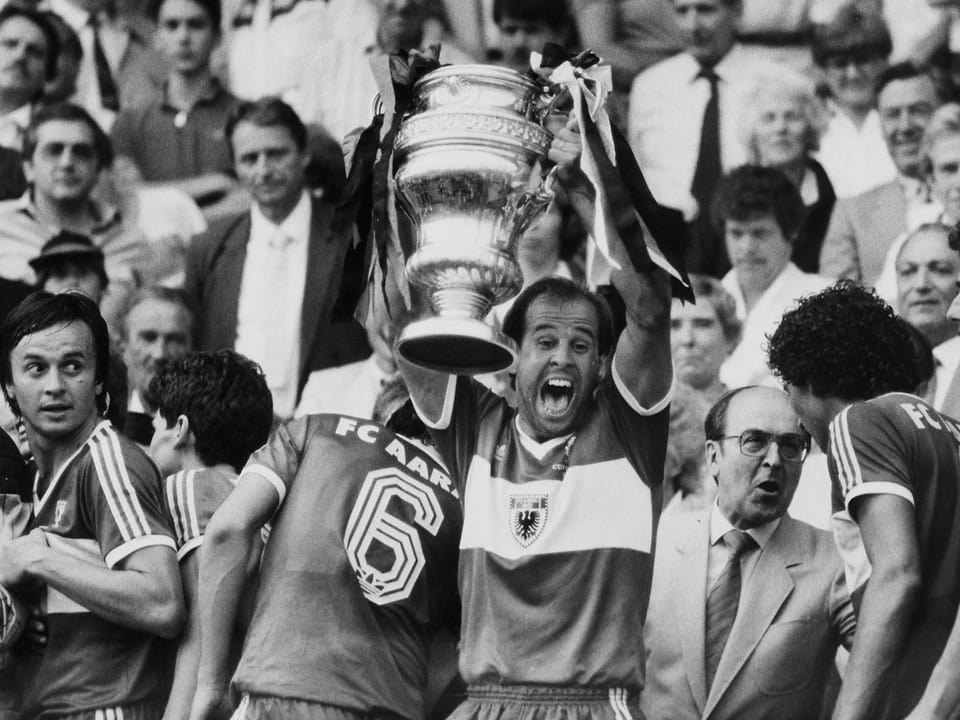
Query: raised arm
x,y
228,546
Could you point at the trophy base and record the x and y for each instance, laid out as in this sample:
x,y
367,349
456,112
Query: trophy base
x,y
456,346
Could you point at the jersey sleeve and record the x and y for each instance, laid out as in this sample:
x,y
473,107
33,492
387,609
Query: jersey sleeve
x,y
867,455
277,462
122,498
192,498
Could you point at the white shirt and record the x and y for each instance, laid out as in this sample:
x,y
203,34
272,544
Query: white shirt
x,y
947,355
747,364
667,102
13,125
350,389
719,551
271,300
856,159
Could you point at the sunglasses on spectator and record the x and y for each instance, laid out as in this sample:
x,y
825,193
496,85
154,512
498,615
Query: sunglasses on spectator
x,y
792,447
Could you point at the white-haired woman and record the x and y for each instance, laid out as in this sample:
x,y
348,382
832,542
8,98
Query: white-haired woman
x,y
781,124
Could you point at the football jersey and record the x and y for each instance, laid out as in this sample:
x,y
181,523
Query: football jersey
x,y
556,551
192,497
103,504
897,444
359,569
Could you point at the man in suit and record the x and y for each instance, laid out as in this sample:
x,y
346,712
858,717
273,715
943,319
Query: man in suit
x,y
750,632
266,283
863,227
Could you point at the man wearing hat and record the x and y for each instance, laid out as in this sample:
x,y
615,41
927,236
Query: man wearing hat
x,y
70,261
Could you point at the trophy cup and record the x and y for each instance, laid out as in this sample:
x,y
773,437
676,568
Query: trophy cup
x,y
465,161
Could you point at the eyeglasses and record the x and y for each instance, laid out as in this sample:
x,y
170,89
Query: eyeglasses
x,y
792,447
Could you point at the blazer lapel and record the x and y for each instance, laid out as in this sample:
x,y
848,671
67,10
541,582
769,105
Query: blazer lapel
x,y
764,591
951,401
323,267
690,591
229,268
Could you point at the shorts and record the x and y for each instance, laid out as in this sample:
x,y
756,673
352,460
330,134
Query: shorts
x,y
544,702
141,711
267,707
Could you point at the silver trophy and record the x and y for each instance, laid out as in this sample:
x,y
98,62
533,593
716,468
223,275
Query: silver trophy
x,y
467,177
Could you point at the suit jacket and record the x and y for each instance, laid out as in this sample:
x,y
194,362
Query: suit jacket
x,y
794,610
862,229
328,335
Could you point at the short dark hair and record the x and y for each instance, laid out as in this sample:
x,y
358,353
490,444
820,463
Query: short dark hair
x,y
844,342
267,112
67,251
225,397
212,8
68,112
561,291
67,38
554,13
905,70
710,290
40,19
852,28
41,310
752,190
715,424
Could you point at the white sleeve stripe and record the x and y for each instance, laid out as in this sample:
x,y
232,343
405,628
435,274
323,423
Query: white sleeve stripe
x,y
188,547
116,482
848,469
192,521
856,477
270,476
632,401
128,548
118,517
878,488
172,486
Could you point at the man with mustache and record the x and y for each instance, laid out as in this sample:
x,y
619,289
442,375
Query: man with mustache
x,y
748,605
28,58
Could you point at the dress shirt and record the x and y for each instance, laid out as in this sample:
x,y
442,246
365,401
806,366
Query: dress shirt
x,y
747,364
13,125
947,357
856,158
271,300
667,103
350,389
719,551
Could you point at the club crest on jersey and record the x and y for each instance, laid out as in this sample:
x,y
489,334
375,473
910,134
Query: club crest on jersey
x,y
58,511
528,517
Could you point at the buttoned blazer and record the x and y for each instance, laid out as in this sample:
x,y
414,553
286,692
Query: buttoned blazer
x,y
862,229
794,608
215,270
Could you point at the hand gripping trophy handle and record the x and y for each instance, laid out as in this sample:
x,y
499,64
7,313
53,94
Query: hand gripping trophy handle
x,y
467,160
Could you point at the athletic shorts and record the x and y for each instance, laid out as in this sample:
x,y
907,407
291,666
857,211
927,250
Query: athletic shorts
x,y
542,702
266,707
143,711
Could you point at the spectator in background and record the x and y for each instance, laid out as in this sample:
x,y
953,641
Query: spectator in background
x,y
29,48
119,68
69,261
852,51
525,25
63,85
178,139
781,123
927,269
683,120
864,227
266,283
702,336
760,212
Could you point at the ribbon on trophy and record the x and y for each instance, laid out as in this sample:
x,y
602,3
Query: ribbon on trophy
x,y
608,162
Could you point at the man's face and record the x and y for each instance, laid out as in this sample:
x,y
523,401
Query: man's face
x,y
23,58
779,135
156,330
163,446
813,412
758,249
186,36
852,77
558,367
755,490
269,164
64,165
75,277
927,283
400,23
945,173
709,27
905,107
698,343
54,381
519,37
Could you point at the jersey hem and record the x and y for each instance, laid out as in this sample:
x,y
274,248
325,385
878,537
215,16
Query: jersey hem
x,y
188,547
128,548
271,477
878,488
632,402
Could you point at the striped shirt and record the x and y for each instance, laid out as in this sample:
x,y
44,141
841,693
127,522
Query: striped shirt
x,y
192,497
101,506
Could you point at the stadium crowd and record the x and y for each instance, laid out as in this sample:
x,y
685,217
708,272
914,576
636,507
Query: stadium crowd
x,y
224,494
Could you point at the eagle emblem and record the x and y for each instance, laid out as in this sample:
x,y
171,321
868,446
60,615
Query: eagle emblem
x,y
528,516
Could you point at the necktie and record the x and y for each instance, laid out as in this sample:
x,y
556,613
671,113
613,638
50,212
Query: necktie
x,y
723,600
706,175
109,97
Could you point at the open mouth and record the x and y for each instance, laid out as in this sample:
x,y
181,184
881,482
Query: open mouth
x,y
556,396
769,487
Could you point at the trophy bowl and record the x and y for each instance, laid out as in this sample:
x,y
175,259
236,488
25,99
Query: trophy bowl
x,y
467,177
